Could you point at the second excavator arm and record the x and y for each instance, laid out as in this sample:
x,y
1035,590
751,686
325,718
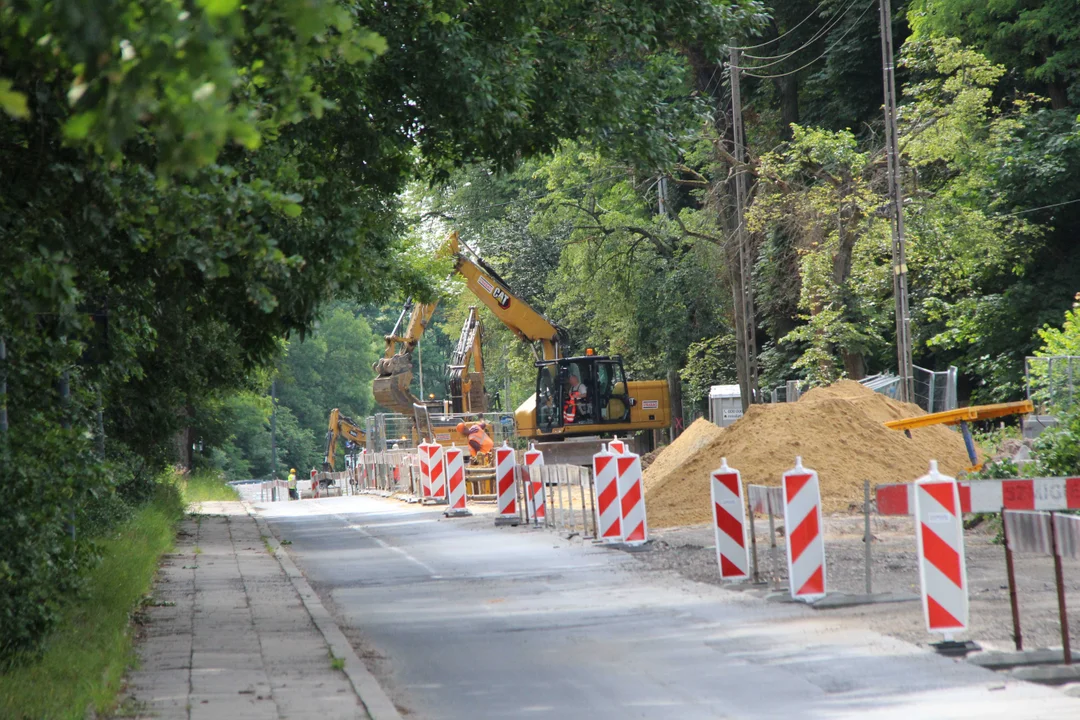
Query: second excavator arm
x,y
340,426
466,368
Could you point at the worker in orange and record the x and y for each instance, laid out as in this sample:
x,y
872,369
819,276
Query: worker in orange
x,y
479,441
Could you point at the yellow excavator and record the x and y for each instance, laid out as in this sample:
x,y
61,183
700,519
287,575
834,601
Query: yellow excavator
x,y
340,426
465,373
577,397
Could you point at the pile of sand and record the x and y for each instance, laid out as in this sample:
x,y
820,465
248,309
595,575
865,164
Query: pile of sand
x,y
837,430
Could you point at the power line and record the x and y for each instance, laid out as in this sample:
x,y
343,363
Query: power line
x,y
779,37
803,67
1036,209
522,198
832,23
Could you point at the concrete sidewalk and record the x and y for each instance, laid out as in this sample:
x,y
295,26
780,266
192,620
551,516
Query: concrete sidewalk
x,y
229,635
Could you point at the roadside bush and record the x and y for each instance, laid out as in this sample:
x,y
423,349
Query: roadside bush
x,y
1057,449
42,552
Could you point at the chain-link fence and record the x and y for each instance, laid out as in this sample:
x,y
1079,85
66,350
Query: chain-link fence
x,y
1051,381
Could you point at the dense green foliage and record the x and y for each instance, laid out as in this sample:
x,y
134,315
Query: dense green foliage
x,y
186,187
633,253
82,667
198,200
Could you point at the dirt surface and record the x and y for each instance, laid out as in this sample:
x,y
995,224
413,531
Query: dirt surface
x,y
838,431
690,552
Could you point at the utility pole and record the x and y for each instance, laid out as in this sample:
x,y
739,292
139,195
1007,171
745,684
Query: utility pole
x,y
743,288
905,367
273,429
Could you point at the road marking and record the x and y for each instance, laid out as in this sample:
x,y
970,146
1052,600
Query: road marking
x,y
383,544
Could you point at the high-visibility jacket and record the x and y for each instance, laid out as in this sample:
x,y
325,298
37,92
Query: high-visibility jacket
x,y
292,481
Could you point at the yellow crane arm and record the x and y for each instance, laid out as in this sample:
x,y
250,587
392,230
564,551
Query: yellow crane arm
x,y
516,314
340,426
964,414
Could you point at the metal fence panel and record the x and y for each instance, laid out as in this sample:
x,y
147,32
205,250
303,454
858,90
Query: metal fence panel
x,y
768,500
1028,531
1067,532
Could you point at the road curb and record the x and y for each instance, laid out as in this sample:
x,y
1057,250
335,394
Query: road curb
x,y
374,698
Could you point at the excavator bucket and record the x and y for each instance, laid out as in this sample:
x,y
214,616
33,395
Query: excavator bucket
x,y
391,387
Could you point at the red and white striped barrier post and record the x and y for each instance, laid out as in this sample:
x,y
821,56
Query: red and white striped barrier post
x,y
806,541
424,459
606,490
437,473
534,490
505,486
616,446
939,532
455,480
635,528
729,514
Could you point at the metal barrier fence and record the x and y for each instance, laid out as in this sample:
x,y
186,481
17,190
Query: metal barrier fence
x,y
768,501
568,494
390,471
384,430
1051,381
1047,534
273,490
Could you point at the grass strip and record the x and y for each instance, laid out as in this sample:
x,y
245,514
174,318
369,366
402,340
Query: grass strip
x,y
85,659
203,486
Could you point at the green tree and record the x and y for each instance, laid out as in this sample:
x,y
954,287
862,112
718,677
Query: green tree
x,y
1035,39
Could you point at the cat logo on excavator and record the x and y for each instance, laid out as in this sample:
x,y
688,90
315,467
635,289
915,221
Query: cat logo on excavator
x,y
501,296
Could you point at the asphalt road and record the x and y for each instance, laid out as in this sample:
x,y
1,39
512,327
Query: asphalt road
x,y
482,622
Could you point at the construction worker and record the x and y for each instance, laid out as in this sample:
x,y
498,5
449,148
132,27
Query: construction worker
x,y
293,495
575,394
480,443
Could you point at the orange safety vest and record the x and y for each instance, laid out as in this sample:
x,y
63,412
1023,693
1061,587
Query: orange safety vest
x,y
570,407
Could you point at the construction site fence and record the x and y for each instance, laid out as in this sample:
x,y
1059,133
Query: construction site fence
x,y
273,491
391,471
934,390
384,430
570,504
1051,382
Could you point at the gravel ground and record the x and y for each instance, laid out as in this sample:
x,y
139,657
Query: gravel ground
x,y
690,552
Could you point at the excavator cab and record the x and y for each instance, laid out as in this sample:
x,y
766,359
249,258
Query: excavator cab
x,y
577,391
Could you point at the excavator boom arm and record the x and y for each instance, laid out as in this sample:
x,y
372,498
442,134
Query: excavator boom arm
x,y
340,426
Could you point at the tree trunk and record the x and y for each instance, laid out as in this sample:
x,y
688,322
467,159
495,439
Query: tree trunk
x,y
788,90
1058,94
854,364
675,391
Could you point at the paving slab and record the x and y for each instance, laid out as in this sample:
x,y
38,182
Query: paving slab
x,y
228,637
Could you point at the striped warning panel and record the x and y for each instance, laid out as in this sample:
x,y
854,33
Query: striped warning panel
x,y
455,481
729,515
534,490
505,485
635,528
806,541
609,517
940,539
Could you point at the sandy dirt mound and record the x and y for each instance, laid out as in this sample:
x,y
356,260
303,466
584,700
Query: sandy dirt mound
x,y
671,458
837,430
